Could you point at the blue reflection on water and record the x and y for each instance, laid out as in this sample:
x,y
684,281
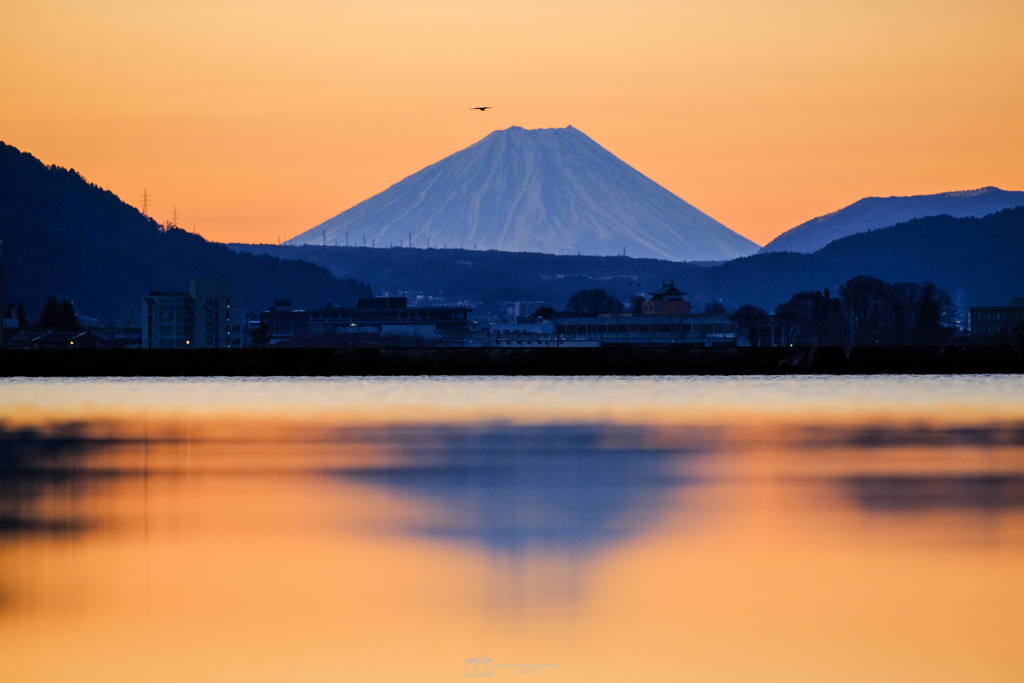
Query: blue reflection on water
x,y
515,489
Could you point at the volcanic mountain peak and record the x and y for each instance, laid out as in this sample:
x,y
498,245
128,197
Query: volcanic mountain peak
x,y
551,190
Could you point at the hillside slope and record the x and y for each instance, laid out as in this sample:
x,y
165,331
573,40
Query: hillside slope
x,y
67,237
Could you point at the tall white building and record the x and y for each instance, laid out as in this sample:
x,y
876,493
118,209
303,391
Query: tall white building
x,y
168,320
220,321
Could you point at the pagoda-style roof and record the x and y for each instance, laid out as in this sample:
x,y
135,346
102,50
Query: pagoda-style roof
x,y
667,289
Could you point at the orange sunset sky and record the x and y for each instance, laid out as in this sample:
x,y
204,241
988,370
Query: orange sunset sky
x,y
258,120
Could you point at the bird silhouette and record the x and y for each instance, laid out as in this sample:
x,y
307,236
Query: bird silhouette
x,y
480,108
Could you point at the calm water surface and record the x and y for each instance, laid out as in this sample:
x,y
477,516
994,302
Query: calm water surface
x,y
561,529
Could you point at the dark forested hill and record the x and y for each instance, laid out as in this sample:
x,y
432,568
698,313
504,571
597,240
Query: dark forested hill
x,y
487,280
976,259
62,235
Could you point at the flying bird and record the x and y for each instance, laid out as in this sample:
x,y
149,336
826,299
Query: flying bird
x,y
481,108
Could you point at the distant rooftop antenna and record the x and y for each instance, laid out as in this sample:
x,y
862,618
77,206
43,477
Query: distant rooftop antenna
x,y
145,202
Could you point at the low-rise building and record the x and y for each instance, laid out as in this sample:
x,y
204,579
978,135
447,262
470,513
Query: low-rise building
x,y
387,321
993,320
80,339
649,330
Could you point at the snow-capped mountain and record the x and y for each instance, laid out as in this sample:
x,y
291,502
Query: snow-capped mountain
x,y
872,213
550,190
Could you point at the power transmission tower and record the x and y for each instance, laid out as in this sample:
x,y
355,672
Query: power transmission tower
x,y
346,238
145,202
325,238
174,217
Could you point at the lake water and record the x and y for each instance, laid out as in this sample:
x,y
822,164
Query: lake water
x,y
560,529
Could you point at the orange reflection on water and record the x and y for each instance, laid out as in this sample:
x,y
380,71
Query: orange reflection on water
x,y
221,550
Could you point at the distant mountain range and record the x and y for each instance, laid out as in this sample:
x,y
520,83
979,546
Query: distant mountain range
x,y
872,213
551,190
67,237
976,259
61,235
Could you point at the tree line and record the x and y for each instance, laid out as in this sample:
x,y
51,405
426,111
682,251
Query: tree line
x,y
869,312
866,311
57,315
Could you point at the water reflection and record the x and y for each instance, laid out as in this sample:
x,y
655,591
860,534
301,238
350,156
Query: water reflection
x,y
918,493
569,489
881,435
595,524
36,465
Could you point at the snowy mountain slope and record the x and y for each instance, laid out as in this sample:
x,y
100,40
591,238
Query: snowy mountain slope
x,y
881,212
549,190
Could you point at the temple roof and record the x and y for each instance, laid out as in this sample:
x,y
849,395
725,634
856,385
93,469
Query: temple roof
x,y
666,289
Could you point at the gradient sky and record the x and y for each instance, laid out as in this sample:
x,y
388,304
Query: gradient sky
x,y
258,119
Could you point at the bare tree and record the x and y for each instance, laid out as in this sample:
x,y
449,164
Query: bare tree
x,y
593,302
750,320
714,308
864,299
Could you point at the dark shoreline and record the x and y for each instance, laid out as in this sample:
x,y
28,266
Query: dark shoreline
x,y
320,362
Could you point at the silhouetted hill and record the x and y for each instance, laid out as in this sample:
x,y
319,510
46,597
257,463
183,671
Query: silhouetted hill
x,y
486,280
65,236
976,259
872,213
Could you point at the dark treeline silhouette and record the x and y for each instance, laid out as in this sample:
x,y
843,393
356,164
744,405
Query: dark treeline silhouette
x,y
977,260
65,236
59,316
868,312
751,323
592,302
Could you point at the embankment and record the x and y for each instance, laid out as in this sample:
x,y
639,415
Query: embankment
x,y
497,361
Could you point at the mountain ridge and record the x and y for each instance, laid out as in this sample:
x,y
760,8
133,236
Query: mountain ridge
x,y
872,213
